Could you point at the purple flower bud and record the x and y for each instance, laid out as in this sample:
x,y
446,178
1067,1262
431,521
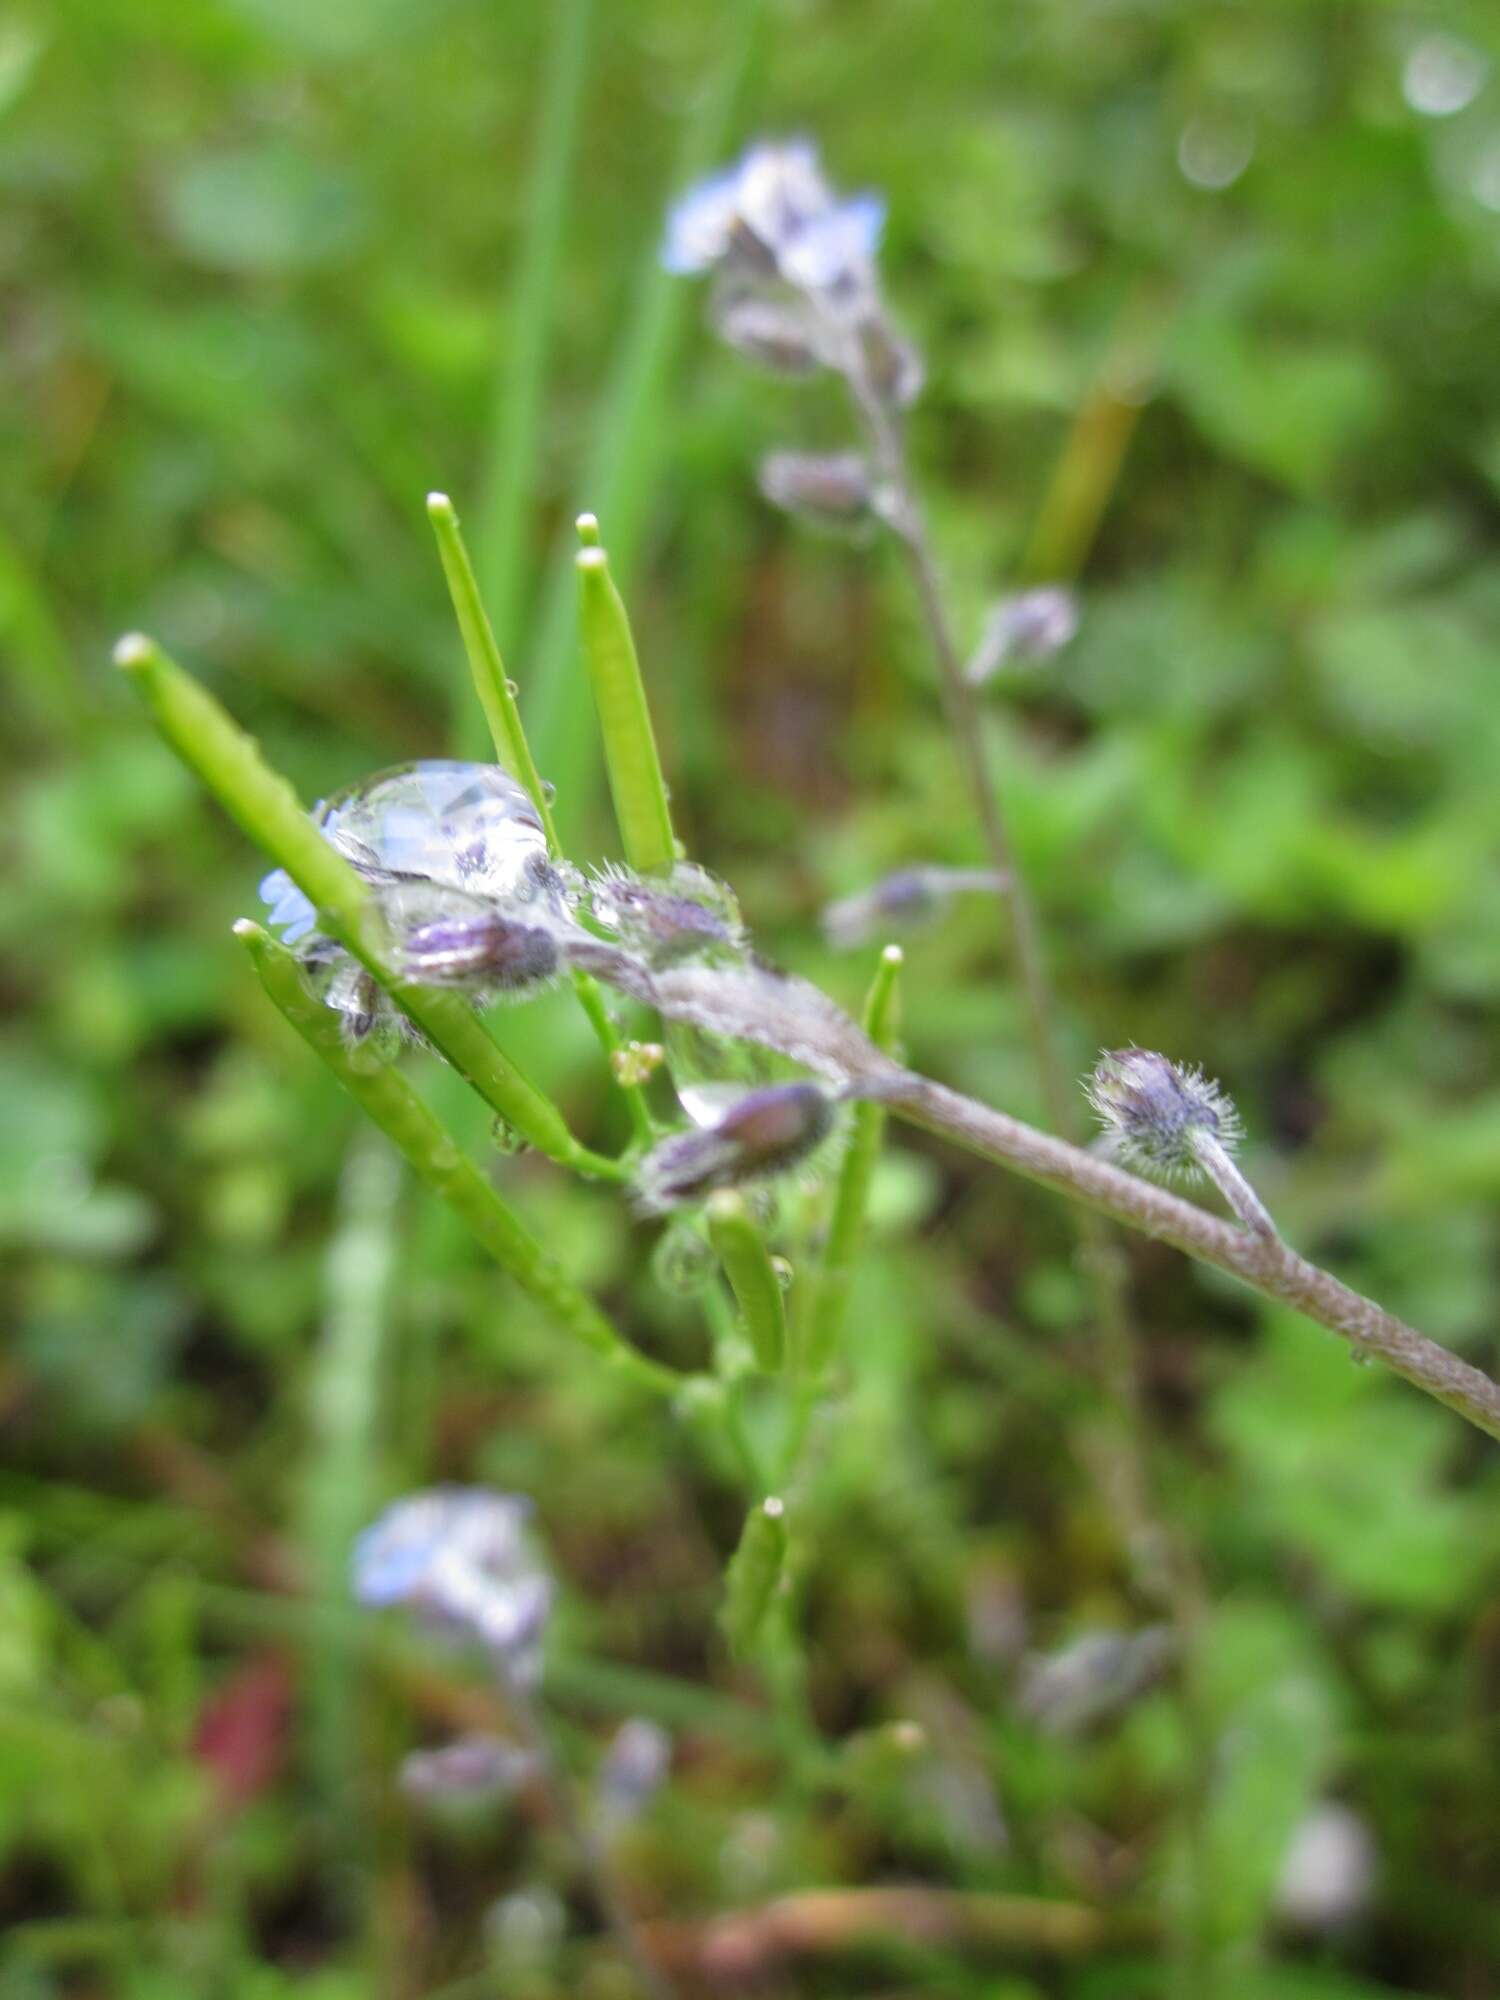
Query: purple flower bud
x,y
776,333
1032,625
826,489
687,914
485,949
760,1134
470,1767
908,897
634,1769
1159,1115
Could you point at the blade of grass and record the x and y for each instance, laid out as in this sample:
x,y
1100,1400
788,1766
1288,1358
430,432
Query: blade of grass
x,y
635,776
339,1491
261,801
509,482
389,1100
621,469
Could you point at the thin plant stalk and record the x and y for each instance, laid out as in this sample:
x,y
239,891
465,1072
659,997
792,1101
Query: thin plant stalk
x,y
343,1396
846,1229
798,1021
1215,1160
592,1861
497,697
261,802
1100,1257
385,1096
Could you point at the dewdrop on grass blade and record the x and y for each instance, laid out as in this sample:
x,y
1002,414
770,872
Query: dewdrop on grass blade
x,y
1169,1120
455,857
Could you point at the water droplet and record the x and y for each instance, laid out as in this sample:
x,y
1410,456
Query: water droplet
x,y
764,1206
683,1261
1359,1357
507,1138
1442,75
549,791
1214,152
512,688
784,1272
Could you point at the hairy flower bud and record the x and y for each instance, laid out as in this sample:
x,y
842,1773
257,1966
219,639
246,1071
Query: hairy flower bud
x,y
827,490
759,1135
1032,625
1158,1114
908,897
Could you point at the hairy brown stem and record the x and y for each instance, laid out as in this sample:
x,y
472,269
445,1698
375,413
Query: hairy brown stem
x,y
1263,1261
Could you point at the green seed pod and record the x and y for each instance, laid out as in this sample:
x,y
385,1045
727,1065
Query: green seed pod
x,y
754,1572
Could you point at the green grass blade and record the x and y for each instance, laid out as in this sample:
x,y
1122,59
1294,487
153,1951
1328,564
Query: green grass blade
x,y
510,480
261,801
635,775
846,1230
620,472
742,1251
339,1489
385,1096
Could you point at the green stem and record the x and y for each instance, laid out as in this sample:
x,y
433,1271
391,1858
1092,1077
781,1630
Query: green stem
x,y
261,801
385,1096
847,1227
752,1277
497,698
635,776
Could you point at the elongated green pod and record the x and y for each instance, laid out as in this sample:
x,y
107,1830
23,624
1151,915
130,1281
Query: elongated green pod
x,y
755,1570
486,667
497,698
385,1096
846,1229
635,776
742,1251
261,801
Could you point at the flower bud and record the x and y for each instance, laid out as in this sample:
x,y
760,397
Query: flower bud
x,y
484,949
827,490
1160,1116
1032,625
760,1134
908,897
471,1767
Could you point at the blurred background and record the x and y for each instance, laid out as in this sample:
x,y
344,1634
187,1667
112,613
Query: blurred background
x,y
1208,297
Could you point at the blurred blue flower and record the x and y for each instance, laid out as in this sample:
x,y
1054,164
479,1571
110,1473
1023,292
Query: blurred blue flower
x,y
775,213
460,1556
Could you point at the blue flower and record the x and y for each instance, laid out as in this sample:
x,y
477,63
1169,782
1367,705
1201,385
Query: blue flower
x,y
461,1558
289,909
774,213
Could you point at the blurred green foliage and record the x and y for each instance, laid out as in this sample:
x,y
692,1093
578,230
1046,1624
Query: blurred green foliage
x,y
260,269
